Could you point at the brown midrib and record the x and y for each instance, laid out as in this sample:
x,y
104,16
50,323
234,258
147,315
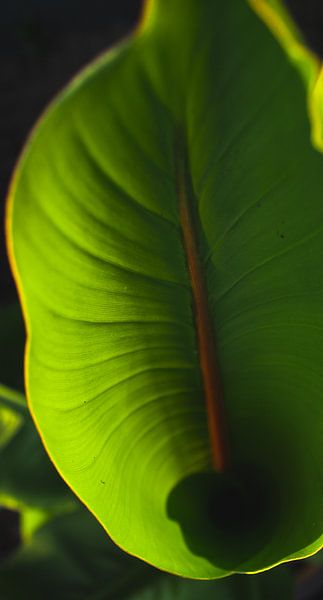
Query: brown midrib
x,y
209,365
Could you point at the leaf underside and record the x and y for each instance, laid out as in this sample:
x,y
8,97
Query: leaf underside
x,y
114,375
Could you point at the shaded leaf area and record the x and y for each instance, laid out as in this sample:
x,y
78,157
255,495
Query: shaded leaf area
x,y
71,558
9,532
27,477
114,375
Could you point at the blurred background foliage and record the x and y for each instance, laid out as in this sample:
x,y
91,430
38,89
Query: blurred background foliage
x,y
42,44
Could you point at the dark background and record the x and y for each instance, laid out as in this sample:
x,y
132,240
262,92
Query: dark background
x,y
42,44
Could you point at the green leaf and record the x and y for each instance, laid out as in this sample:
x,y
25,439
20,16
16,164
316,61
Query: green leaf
x,y
71,558
27,478
167,204
10,422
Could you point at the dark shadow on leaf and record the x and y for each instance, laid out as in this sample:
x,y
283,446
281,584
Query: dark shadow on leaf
x,y
226,518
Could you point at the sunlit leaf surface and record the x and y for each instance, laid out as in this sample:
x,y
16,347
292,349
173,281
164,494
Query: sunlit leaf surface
x,y
204,108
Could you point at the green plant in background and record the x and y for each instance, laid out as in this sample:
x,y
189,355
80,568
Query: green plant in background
x,y
164,226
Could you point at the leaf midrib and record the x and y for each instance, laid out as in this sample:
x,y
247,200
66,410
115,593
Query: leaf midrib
x,y
205,335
